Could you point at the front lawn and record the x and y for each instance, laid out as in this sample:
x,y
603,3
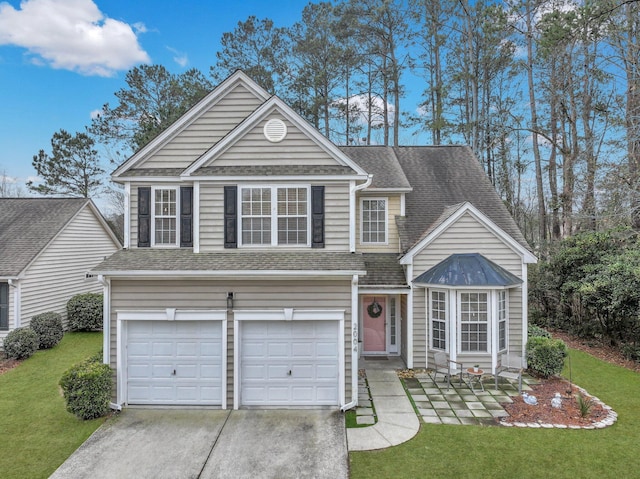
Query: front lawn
x,y
440,451
38,434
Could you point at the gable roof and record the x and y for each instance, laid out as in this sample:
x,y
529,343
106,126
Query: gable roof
x,y
274,104
28,225
191,115
470,269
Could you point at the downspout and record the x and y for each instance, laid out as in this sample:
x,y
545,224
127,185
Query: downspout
x,y
17,319
354,345
352,209
106,329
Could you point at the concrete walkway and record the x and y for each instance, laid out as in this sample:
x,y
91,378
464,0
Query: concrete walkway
x,y
397,420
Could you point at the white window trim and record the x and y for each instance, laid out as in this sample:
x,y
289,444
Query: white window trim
x,y
506,319
446,320
490,320
153,217
386,220
274,215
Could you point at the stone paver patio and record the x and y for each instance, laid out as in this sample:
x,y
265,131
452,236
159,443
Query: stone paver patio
x,y
458,405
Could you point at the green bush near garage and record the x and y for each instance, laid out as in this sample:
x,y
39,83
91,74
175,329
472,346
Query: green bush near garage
x,y
87,388
84,312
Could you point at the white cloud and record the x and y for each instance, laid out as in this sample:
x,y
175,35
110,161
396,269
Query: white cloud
x,y
179,57
360,104
96,113
72,35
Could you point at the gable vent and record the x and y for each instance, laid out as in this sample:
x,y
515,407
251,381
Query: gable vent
x,y
275,130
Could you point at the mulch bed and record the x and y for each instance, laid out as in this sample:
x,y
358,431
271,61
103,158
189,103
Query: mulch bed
x,y
7,364
544,413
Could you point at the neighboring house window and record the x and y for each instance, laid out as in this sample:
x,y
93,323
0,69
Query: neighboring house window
x,y
374,220
502,320
165,216
274,215
438,309
4,306
474,322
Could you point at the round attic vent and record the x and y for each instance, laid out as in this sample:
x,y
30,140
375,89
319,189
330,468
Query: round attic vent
x,y
275,130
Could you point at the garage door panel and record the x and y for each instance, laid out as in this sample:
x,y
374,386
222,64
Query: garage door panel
x,y
193,349
272,349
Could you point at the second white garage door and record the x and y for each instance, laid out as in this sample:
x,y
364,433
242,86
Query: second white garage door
x,y
289,363
174,362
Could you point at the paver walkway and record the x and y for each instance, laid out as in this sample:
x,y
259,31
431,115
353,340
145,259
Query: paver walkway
x,y
397,420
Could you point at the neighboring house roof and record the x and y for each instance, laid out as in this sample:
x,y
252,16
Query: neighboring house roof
x,y
381,162
383,270
470,269
153,261
28,225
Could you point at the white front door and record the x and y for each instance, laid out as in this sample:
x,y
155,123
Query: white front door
x,y
289,363
174,362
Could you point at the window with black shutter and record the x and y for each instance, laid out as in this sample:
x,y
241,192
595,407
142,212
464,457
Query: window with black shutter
x,y
4,306
230,217
144,217
186,216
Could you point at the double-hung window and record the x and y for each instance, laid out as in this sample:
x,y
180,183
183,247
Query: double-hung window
x,y
474,322
165,217
4,306
274,215
502,320
438,309
374,220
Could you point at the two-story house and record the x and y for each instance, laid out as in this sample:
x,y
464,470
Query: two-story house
x,y
261,261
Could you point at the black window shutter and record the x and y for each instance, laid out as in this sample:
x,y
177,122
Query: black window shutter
x,y
4,306
230,217
186,216
144,216
317,216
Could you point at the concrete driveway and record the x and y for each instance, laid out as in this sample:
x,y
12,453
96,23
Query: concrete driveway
x,y
167,443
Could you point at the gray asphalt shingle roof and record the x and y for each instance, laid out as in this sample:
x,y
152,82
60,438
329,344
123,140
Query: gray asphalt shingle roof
x,y
383,269
381,162
148,259
27,225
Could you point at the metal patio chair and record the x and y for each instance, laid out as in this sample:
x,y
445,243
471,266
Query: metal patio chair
x,y
509,367
447,367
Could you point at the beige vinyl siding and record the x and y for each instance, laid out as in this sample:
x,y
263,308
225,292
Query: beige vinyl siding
x,y
254,149
336,217
133,216
467,235
404,327
248,295
205,131
419,328
393,240
59,272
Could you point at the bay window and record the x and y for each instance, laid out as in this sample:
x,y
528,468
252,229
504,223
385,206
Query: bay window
x,y
474,322
438,310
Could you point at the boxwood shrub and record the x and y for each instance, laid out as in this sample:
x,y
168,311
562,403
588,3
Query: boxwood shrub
x,y
84,312
537,331
20,343
48,327
545,356
87,388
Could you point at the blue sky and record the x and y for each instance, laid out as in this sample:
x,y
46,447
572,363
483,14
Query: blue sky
x,y
60,60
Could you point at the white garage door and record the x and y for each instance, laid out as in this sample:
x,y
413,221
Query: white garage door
x,y
289,363
174,362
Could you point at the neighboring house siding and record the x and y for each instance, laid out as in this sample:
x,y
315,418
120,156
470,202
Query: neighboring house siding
x,y
211,294
59,272
205,131
393,241
467,235
254,149
336,216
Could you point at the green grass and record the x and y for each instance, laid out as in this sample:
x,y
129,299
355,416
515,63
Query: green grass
x,y
37,432
440,451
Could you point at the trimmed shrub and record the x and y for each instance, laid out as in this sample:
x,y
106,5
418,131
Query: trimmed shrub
x,y
87,388
20,343
538,332
48,327
545,356
84,312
